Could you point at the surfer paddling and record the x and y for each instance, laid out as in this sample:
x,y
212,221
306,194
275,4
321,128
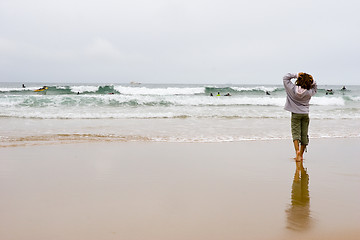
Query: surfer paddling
x,y
297,102
41,89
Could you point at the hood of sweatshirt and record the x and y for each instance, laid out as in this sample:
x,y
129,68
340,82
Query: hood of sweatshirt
x,y
300,92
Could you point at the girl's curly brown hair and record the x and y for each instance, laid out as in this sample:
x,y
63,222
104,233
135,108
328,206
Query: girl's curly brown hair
x,y
304,80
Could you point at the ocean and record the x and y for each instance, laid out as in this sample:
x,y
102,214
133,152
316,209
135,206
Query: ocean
x,y
166,112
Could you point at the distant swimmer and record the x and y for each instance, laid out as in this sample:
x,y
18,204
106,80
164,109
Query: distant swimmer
x,y
343,88
23,86
211,95
267,93
228,94
329,92
218,94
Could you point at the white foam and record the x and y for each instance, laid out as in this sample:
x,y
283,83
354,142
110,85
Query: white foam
x,y
356,99
9,101
158,91
183,100
328,101
247,89
53,111
61,87
18,89
219,101
82,89
257,88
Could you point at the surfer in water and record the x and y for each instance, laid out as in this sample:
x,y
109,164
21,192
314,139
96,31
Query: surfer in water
x,y
297,102
329,92
43,88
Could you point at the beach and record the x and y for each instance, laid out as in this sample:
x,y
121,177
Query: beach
x,y
172,190
166,161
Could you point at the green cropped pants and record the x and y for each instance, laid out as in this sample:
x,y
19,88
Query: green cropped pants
x,y
300,127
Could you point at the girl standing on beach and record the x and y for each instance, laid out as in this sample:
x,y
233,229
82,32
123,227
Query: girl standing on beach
x,y
297,102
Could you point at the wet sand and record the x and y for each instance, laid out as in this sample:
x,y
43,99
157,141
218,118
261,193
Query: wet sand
x,y
147,190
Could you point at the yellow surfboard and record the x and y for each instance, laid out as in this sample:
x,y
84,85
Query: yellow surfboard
x,y
41,89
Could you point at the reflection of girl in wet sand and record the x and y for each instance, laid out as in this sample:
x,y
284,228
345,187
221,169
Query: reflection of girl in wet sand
x,y
298,214
297,102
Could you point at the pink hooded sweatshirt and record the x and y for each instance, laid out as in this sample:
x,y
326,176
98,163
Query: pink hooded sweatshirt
x,y
297,100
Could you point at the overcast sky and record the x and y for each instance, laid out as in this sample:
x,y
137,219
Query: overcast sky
x,y
181,41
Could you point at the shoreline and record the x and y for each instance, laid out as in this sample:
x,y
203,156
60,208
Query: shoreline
x,y
69,139
42,131
75,142
161,190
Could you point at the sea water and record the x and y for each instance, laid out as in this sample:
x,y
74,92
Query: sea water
x,y
167,112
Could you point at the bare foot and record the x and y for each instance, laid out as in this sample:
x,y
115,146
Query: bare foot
x,y
298,156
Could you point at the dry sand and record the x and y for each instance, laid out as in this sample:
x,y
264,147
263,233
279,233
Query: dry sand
x,y
170,191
